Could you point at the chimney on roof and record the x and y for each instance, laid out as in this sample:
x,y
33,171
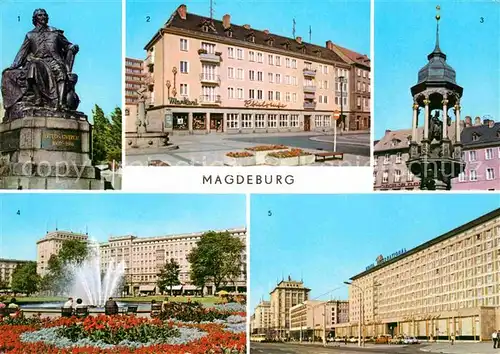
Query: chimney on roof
x,y
477,121
247,26
468,121
182,11
226,21
329,44
387,131
491,123
266,31
299,40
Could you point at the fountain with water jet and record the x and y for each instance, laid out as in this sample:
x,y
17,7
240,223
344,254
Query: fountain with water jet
x,y
95,284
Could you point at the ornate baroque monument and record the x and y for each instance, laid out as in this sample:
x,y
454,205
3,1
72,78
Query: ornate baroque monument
x,y
44,141
437,157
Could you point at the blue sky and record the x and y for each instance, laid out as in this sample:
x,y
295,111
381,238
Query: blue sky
x,y
346,23
94,25
326,239
405,33
111,215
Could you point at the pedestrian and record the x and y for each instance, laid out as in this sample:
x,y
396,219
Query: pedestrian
x,y
345,340
452,339
494,337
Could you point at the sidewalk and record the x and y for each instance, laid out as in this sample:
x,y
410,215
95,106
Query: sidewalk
x,y
341,345
209,150
460,348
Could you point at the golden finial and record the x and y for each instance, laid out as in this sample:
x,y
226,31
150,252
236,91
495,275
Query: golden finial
x,y
438,17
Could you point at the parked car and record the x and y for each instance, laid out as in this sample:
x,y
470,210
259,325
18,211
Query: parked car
x,y
410,340
396,340
353,339
339,339
383,339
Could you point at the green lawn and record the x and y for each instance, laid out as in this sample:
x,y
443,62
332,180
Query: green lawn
x,y
203,300
24,299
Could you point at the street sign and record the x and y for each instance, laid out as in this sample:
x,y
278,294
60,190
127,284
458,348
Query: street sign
x,y
336,115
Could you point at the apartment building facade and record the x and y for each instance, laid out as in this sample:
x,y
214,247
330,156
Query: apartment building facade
x,y
134,80
207,75
51,244
261,319
7,267
359,87
447,286
145,256
481,153
284,296
316,318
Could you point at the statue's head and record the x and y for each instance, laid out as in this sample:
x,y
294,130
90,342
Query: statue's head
x,y
40,17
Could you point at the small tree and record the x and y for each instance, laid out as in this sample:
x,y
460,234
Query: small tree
x,y
115,142
100,135
217,257
169,276
25,279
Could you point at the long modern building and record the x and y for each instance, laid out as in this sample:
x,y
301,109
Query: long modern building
x,y
481,153
206,75
51,244
447,286
316,318
144,257
7,267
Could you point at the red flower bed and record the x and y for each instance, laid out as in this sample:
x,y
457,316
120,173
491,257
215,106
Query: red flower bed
x,y
289,153
239,154
267,147
215,342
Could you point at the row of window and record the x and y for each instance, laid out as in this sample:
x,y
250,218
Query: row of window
x,y
236,121
473,175
362,87
489,154
275,60
397,178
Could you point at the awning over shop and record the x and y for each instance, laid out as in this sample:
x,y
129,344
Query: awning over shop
x,y
191,287
147,288
175,287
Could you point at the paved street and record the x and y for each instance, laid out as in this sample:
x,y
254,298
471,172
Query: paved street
x,y
442,348
288,348
209,150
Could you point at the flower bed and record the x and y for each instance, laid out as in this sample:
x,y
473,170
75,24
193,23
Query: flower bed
x,y
124,334
267,148
293,157
239,159
261,152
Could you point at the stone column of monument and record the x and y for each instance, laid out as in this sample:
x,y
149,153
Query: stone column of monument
x,y
432,159
45,142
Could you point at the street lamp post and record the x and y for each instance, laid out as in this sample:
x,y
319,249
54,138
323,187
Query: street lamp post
x,y
361,307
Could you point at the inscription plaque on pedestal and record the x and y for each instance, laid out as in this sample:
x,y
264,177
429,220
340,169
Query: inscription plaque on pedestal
x,y
61,140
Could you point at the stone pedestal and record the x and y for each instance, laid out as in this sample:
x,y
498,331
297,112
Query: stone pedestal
x,y
47,153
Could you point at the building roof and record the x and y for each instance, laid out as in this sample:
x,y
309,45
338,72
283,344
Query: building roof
x,y
394,140
481,135
354,57
195,23
471,224
290,285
